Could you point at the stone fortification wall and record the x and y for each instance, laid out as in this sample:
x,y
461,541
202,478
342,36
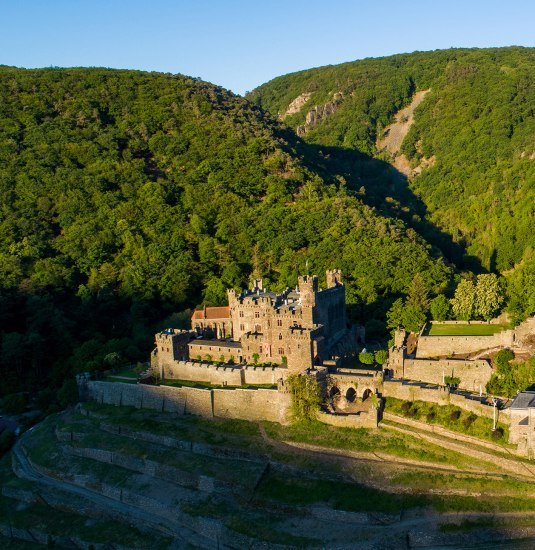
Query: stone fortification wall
x,y
440,396
252,404
263,375
203,372
473,375
440,346
262,404
226,375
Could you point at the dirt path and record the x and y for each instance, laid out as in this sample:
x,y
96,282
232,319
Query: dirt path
x,y
440,430
306,449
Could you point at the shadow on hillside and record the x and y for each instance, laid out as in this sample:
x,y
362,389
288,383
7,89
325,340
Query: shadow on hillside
x,y
377,183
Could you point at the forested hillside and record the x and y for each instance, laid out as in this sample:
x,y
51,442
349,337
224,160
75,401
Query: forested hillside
x,y
473,135
127,197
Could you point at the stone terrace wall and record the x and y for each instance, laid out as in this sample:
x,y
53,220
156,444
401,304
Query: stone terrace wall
x,y
252,404
440,396
473,375
437,346
222,375
248,404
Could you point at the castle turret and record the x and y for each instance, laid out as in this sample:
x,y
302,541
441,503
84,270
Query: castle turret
x,y
308,286
334,278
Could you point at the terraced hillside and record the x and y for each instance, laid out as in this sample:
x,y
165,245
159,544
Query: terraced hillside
x,y
136,479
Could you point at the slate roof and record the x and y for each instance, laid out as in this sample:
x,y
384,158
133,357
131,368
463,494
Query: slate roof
x,y
212,313
524,400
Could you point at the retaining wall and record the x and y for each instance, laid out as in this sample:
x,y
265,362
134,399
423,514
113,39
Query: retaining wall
x,y
252,404
248,404
436,346
473,375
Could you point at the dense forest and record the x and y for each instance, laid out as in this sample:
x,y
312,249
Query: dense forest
x,y
129,197
477,124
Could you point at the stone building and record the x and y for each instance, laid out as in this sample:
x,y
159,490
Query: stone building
x,y
522,423
297,328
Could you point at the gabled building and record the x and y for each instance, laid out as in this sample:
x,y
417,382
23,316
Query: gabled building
x,y
522,422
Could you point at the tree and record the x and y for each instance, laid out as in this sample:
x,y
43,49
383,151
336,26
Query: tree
x,y
366,358
306,396
463,303
440,308
394,316
381,356
488,296
413,318
418,295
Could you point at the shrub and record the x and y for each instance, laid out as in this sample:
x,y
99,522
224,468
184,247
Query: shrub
x,y
455,415
406,407
430,416
452,381
497,433
469,420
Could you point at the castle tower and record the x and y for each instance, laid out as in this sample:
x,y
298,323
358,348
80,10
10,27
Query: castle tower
x,y
308,287
333,277
231,295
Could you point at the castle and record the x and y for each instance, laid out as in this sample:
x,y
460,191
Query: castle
x,y
296,329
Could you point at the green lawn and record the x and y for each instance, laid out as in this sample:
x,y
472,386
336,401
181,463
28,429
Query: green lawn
x,y
464,330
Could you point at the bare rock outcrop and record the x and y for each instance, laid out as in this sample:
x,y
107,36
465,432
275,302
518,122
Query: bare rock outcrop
x,y
296,105
320,112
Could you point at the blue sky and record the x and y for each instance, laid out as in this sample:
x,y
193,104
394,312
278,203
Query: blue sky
x,y
240,44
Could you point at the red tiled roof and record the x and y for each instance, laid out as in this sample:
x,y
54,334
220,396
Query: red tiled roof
x,y
212,313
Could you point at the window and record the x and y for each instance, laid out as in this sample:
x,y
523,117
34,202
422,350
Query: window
x,y
241,313
280,336
257,314
279,322
260,349
281,351
242,327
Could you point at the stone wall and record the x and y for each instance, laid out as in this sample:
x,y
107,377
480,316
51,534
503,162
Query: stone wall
x,y
252,404
248,404
203,372
440,346
225,375
473,375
